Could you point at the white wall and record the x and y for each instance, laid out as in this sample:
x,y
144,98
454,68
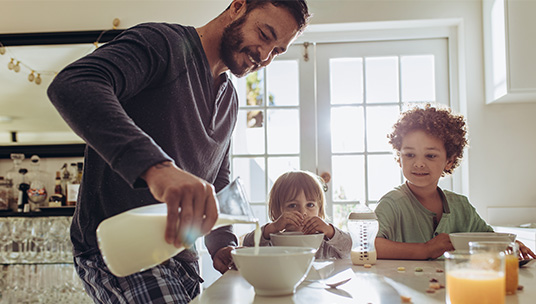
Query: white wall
x,y
501,154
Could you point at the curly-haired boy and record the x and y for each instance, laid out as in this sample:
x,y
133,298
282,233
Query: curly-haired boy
x,y
417,216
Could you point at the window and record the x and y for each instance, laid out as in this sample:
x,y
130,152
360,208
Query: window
x,y
332,113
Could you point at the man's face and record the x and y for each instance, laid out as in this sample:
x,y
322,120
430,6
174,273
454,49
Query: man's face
x,y
254,39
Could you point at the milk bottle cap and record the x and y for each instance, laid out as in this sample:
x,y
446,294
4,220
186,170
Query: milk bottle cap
x,y
362,216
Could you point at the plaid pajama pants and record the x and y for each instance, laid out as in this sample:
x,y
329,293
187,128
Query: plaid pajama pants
x,y
173,281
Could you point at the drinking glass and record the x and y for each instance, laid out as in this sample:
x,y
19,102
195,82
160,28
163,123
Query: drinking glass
x,y
39,235
5,238
475,277
20,233
511,252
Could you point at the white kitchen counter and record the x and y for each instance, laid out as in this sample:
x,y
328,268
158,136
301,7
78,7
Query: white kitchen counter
x,y
383,283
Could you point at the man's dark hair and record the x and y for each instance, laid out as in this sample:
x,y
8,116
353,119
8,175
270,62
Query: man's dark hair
x,y
298,9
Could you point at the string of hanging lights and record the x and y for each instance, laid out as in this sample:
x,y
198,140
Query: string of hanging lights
x,y
34,75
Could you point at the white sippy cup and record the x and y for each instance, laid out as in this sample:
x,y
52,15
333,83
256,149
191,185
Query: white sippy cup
x,y
363,227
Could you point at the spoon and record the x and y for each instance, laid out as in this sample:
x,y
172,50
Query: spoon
x,y
336,284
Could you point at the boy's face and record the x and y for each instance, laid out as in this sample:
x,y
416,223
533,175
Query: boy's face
x,y
254,39
423,158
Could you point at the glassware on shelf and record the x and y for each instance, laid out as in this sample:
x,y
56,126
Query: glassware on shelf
x,y
37,193
5,238
14,177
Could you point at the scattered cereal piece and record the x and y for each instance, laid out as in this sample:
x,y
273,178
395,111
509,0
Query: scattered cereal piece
x,y
418,269
433,280
401,268
441,286
430,290
367,265
519,287
434,285
405,299
439,270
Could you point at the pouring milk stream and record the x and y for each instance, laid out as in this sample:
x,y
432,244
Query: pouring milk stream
x,y
134,241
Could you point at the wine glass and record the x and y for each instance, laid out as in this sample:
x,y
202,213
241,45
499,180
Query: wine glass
x,y
20,233
39,235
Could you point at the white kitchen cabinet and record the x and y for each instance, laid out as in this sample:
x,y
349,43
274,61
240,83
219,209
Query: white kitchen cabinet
x,y
510,50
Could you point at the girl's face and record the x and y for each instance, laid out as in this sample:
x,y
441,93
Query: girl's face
x,y
423,158
305,207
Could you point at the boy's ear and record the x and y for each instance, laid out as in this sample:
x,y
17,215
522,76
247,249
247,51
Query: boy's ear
x,y
450,164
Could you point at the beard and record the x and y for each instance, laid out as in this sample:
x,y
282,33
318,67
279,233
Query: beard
x,y
231,49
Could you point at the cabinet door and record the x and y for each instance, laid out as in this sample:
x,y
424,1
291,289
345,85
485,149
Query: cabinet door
x,y
509,46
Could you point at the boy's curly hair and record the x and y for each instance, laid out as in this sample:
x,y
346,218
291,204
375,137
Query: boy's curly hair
x,y
440,123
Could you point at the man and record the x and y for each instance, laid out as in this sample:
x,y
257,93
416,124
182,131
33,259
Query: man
x,y
157,112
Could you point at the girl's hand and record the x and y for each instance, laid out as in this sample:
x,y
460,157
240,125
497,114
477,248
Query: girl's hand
x,y
315,224
289,220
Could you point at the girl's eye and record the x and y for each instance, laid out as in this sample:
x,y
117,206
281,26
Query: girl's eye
x,y
291,206
311,205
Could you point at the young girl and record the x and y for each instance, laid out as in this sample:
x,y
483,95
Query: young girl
x,y
416,217
296,203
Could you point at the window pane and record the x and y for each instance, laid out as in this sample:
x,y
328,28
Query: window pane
x,y
348,178
418,78
383,175
251,171
340,215
280,165
382,79
282,83
346,80
347,129
255,88
248,138
283,131
380,121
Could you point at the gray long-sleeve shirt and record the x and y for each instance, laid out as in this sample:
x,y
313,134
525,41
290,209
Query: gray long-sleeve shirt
x,y
146,97
338,247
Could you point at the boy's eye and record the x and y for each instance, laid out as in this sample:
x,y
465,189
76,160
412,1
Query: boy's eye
x,y
431,156
408,155
263,35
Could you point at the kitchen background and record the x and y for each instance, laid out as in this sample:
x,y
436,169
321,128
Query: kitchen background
x,y
499,169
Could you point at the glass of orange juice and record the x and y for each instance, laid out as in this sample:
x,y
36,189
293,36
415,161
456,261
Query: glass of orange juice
x,y
475,277
511,251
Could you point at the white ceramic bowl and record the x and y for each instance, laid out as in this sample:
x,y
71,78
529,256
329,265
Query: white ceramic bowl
x,y
461,240
273,271
296,238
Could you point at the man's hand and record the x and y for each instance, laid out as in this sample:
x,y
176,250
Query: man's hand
x,y
190,200
222,260
438,245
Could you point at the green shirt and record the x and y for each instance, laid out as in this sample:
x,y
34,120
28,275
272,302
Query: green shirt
x,y
403,218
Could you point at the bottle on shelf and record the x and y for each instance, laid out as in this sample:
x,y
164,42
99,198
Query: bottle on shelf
x,y
37,193
14,178
22,202
57,199
74,185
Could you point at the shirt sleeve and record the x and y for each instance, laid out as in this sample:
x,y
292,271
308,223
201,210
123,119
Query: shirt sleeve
x,y
339,246
386,219
90,94
249,239
219,238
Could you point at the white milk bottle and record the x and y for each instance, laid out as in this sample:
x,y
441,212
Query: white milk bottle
x,y
134,241
363,227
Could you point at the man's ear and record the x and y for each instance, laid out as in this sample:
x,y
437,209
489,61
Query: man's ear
x,y
238,8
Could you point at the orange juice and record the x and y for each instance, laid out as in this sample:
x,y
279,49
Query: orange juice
x,y
512,273
475,286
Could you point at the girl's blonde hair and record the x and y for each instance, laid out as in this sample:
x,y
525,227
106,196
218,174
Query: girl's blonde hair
x,y
289,185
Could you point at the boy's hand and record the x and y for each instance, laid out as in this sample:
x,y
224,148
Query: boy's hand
x,y
438,245
315,224
222,260
525,252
